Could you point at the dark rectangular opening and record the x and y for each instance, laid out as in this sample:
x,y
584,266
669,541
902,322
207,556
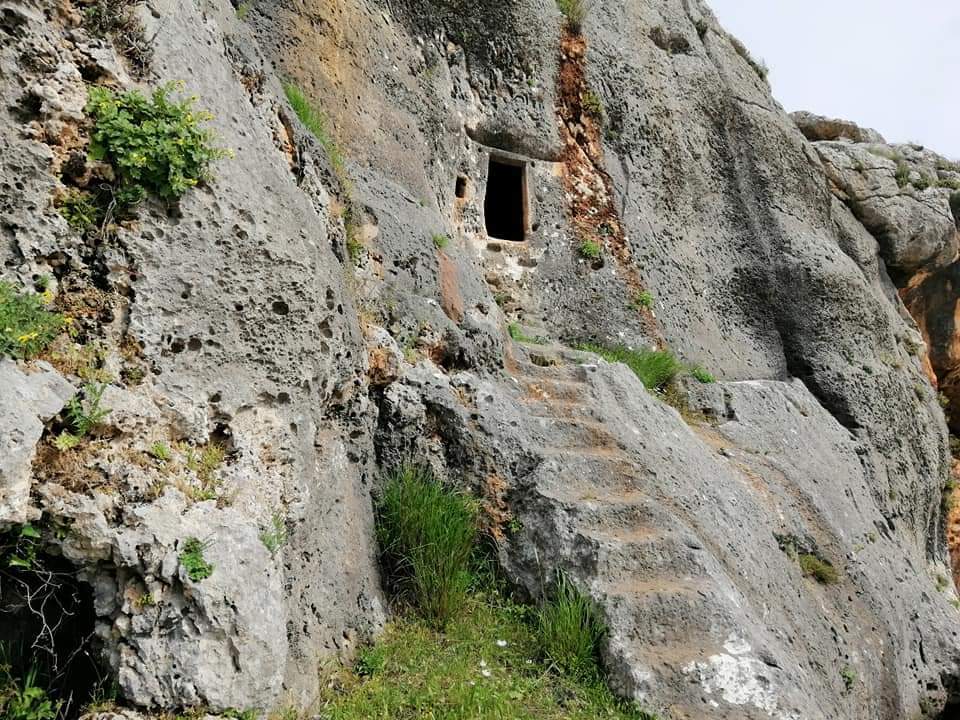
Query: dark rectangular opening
x,y
505,200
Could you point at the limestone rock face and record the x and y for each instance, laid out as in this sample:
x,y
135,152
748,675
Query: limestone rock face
x,y
323,309
28,400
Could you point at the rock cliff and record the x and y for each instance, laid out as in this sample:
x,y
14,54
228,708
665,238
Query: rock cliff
x,y
333,300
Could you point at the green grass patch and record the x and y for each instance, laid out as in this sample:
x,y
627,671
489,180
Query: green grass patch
x,y
315,121
440,240
484,666
817,568
517,334
701,375
26,326
155,145
590,250
570,630
426,534
655,368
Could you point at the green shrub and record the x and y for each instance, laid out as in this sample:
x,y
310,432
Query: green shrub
x,y
702,375
155,145
86,414
440,240
849,677
570,630
193,561
644,299
922,182
426,536
23,699
655,368
315,121
592,104
817,568
243,9
575,12
591,250
26,326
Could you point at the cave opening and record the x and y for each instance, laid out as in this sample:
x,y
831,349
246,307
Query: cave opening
x,y
505,200
47,626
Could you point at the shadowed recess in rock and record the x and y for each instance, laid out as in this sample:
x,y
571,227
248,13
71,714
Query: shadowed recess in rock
x,y
504,205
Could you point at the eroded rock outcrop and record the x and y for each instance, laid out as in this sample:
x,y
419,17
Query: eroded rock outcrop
x,y
324,309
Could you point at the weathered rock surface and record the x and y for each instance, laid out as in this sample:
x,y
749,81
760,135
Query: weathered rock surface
x,y
766,257
27,401
816,127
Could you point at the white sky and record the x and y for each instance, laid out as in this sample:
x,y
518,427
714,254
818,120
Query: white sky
x,y
893,65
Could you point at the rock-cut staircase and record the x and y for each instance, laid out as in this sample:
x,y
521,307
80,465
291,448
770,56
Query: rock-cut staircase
x,y
596,503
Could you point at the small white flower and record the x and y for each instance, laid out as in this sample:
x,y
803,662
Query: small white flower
x,y
485,673
483,663
501,643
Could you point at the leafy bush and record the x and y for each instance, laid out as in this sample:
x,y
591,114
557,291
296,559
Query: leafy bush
x,y
591,250
155,145
315,121
440,240
23,699
570,630
575,12
83,414
26,326
193,561
426,536
817,568
655,368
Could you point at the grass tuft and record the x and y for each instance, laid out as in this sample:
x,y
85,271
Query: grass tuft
x,y
517,334
818,569
426,534
315,121
575,12
655,368
440,240
570,630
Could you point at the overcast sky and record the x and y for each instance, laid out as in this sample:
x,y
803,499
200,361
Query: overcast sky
x,y
893,65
